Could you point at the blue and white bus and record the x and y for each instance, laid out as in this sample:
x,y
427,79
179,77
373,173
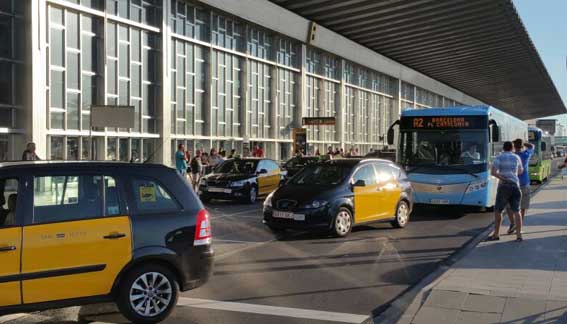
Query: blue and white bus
x,y
447,152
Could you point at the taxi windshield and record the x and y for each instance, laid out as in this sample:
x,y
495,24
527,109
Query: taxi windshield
x,y
324,175
237,167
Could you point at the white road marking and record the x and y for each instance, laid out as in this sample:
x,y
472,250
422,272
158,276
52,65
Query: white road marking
x,y
272,310
12,317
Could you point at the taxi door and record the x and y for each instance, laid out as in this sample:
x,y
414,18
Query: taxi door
x,y
263,178
10,243
389,189
78,241
365,188
274,176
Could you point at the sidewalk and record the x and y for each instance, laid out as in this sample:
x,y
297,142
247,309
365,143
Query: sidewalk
x,y
507,281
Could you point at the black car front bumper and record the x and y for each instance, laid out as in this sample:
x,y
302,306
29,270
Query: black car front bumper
x,y
315,219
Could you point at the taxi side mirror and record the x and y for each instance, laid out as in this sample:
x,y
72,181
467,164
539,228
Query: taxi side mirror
x,y
263,171
359,183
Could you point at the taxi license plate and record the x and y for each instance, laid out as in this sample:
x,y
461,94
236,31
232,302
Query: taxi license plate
x,y
288,215
213,189
440,201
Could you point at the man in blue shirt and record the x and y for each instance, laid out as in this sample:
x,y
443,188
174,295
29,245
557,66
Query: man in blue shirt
x,y
181,160
525,155
506,167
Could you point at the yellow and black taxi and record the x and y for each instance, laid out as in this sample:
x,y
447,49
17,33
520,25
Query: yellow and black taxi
x,y
73,233
241,179
336,195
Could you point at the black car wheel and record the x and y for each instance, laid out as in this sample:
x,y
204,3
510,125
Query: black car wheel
x,y
402,215
148,294
342,223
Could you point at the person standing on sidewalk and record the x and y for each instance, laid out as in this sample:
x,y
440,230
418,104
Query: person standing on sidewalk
x,y
29,154
507,167
181,160
525,155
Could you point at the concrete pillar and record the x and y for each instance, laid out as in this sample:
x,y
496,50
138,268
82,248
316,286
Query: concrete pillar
x,y
36,105
163,148
341,109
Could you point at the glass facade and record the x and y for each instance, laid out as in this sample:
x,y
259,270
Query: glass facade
x,y
12,56
223,80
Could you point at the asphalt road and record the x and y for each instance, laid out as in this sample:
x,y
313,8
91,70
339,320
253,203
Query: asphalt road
x,y
262,277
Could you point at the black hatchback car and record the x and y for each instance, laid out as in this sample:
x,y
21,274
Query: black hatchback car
x,y
336,195
81,232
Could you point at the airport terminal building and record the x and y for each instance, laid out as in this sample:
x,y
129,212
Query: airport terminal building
x,y
220,73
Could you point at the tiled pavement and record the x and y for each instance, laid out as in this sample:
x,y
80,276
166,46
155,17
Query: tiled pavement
x,y
507,281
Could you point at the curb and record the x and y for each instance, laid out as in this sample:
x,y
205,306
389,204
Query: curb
x,y
406,306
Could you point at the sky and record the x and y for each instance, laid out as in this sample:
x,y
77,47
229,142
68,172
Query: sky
x,y
547,26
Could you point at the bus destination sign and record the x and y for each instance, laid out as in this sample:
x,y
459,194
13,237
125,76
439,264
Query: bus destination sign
x,y
444,122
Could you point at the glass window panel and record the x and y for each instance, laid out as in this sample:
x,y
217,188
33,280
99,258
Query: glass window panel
x,y
123,33
123,149
6,83
111,39
111,149
123,8
89,57
6,117
136,104
123,60
86,149
56,14
136,13
135,46
136,79
72,110
72,148
72,30
123,92
56,148
57,89
89,24
88,91
73,72
57,120
111,76
6,36
57,46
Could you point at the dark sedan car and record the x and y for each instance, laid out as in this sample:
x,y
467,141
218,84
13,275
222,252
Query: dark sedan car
x,y
241,179
336,195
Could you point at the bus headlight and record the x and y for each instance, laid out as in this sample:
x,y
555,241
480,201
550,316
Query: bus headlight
x,y
477,185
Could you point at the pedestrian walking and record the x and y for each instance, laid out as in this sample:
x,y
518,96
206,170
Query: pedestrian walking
x,y
507,167
196,166
525,152
232,154
29,153
181,160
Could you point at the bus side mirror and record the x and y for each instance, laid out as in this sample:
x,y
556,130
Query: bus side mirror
x,y
390,136
495,133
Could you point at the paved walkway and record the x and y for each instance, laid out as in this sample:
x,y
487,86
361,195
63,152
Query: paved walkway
x,y
507,281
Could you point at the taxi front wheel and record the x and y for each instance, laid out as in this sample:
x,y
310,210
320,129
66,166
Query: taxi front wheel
x,y
148,294
342,224
402,215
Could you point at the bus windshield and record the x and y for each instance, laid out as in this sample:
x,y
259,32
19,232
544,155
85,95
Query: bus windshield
x,y
453,150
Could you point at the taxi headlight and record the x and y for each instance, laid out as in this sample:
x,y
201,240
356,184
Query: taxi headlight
x,y
268,201
316,204
477,185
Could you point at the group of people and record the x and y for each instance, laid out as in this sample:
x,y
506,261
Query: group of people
x,y
333,152
513,193
194,167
